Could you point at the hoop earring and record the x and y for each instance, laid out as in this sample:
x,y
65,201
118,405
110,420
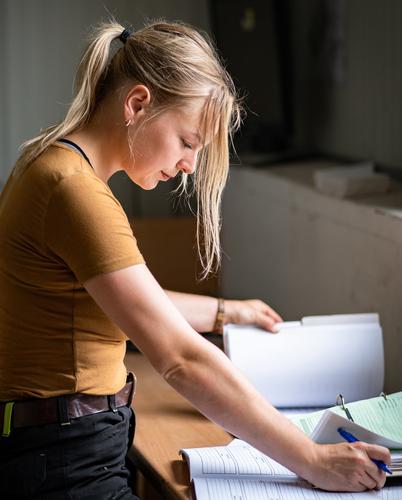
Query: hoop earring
x,y
128,122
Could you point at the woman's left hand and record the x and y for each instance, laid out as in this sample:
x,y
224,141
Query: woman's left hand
x,y
252,312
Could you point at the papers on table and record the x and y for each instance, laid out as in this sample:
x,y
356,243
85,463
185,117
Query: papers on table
x,y
240,472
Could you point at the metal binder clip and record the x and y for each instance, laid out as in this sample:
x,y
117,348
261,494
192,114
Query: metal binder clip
x,y
384,395
340,401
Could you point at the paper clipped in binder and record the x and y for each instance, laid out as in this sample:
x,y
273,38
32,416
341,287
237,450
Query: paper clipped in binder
x,y
340,403
375,420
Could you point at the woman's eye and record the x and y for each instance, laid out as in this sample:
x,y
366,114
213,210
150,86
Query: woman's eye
x,y
187,144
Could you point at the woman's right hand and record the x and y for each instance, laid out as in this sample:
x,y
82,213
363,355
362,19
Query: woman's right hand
x,y
348,467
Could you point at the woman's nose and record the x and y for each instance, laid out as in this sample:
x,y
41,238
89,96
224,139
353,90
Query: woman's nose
x,y
188,165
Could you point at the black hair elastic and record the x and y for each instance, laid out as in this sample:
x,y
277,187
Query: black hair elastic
x,y
125,34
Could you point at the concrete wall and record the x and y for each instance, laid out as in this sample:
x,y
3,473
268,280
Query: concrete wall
x,y
348,78
306,253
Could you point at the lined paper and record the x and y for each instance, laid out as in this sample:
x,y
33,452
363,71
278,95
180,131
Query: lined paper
x,y
235,489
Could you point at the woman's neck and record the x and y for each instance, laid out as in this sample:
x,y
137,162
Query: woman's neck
x,y
103,139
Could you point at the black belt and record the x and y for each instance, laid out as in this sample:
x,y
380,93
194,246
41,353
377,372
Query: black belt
x,y
40,411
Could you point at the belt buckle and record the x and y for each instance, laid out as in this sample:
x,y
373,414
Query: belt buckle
x,y
112,403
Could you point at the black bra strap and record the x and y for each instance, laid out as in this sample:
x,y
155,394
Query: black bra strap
x,y
74,145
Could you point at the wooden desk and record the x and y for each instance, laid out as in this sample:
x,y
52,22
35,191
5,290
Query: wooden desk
x,y
166,422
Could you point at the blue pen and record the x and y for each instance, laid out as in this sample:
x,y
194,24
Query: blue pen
x,y
347,436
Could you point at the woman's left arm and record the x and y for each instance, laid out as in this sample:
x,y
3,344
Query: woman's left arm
x,y
200,311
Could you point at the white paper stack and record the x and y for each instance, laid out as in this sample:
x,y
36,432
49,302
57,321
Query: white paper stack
x,y
309,363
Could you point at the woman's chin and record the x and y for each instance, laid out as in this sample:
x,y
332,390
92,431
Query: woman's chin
x,y
149,185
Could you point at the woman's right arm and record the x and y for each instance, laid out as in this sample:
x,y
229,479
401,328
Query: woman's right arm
x,y
204,375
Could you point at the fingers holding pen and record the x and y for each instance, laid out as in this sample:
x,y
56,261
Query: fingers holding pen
x,y
378,456
349,467
372,477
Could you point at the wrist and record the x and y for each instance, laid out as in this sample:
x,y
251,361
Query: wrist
x,y
311,462
231,311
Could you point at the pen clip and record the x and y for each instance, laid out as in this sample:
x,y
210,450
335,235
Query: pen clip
x,y
340,401
384,395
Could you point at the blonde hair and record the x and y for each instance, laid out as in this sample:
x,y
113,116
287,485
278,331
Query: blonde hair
x,y
177,63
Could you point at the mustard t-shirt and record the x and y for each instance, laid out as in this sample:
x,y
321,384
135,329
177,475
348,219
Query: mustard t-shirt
x,y
59,226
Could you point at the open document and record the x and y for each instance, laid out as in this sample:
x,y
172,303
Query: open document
x,y
376,421
309,362
241,472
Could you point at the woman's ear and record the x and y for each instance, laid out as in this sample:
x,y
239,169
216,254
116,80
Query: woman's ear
x,y
136,102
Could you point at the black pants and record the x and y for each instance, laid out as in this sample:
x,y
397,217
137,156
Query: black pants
x,y
84,460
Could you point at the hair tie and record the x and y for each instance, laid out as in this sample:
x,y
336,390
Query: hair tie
x,y
125,34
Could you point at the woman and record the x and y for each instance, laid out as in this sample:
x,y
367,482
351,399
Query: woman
x,y
73,279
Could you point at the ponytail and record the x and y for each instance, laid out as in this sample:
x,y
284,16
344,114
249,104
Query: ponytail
x,y
91,72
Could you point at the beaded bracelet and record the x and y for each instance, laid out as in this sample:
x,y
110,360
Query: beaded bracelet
x,y
220,317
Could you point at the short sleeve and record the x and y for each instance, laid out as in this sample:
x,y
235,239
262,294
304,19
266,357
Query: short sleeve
x,y
86,227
